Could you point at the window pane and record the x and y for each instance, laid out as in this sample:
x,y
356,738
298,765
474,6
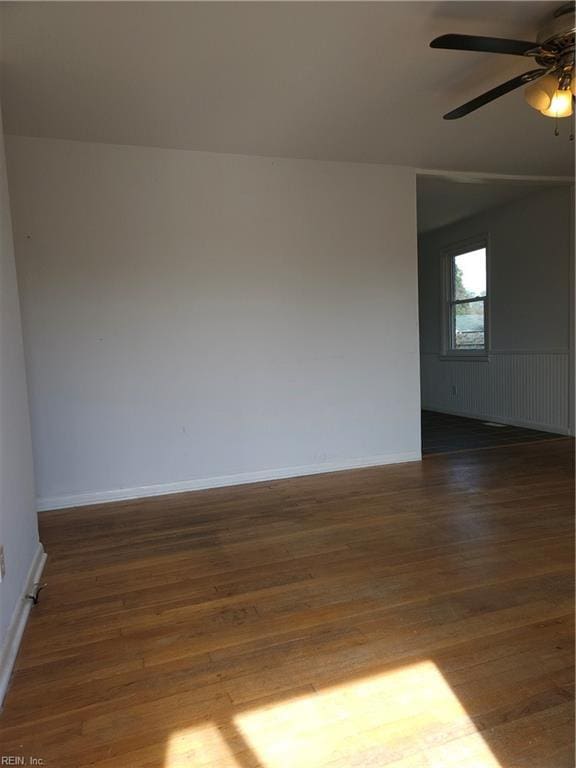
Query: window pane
x,y
470,274
469,325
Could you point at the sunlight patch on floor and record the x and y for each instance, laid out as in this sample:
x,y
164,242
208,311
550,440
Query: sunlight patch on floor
x,y
202,745
407,718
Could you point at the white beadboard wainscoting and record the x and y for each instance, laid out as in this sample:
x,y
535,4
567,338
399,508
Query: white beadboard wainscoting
x,y
527,389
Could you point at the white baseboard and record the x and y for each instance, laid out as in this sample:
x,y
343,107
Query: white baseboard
x,y
500,420
124,494
13,638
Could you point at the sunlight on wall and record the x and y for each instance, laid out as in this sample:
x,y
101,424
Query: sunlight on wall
x,y
405,718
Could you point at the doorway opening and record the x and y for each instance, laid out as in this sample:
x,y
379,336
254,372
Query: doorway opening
x,y
495,275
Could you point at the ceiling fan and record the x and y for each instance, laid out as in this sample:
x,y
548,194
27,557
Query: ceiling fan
x,y
553,84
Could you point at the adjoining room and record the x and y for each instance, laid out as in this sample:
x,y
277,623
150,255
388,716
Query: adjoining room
x,y
495,278
287,384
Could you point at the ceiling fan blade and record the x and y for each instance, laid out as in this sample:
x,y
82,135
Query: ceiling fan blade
x,y
495,93
483,44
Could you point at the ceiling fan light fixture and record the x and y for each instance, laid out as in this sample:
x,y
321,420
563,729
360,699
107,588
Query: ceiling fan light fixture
x,y
549,89
539,94
560,104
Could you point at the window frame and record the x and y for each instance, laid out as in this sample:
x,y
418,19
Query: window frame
x,y
449,254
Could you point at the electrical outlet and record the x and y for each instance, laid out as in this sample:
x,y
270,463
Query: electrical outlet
x,y
2,564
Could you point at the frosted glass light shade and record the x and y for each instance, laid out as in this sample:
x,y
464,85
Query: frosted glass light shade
x,y
539,94
560,105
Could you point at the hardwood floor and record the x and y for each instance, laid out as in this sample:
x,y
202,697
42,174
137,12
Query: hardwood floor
x,y
443,433
412,616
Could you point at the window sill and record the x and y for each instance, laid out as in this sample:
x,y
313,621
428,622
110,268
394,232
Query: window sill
x,y
477,357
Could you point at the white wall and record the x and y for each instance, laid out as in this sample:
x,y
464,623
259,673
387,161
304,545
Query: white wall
x,y
194,319
526,380
18,522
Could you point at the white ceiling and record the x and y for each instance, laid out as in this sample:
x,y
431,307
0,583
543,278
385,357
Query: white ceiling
x,y
334,81
443,201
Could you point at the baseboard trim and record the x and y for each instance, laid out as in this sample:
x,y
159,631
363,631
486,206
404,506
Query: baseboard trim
x,y
501,420
124,494
18,623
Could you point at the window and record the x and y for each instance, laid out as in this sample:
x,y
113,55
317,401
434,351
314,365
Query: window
x,y
466,315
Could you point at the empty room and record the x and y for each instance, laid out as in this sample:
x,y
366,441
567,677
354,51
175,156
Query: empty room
x,y
287,384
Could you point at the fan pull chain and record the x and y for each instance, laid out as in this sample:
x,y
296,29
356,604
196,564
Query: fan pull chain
x,y
557,131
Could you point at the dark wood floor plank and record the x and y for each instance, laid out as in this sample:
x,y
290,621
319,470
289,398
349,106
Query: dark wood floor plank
x,y
444,432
